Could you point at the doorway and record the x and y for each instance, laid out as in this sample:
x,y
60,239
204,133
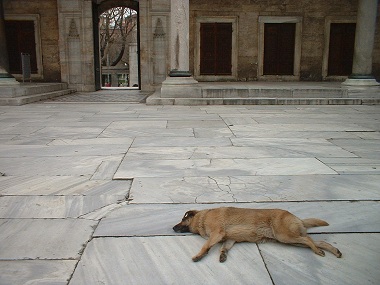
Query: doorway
x,y
116,38
279,44
341,49
216,49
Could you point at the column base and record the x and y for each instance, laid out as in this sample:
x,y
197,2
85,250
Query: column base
x,y
360,80
180,87
7,79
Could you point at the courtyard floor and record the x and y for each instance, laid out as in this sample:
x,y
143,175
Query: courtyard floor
x,y
89,192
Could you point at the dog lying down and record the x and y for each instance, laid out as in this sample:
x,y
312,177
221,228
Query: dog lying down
x,y
230,225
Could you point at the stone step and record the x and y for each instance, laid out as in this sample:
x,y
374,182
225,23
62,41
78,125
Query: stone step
x,y
261,101
26,89
273,93
26,99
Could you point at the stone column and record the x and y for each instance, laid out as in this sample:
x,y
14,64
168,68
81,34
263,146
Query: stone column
x,y
180,83
5,77
133,60
364,41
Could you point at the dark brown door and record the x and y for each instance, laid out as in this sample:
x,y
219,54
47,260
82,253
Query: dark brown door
x,y
216,49
341,49
20,38
279,43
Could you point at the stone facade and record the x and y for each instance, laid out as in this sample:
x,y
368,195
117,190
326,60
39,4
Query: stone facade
x,y
67,37
46,15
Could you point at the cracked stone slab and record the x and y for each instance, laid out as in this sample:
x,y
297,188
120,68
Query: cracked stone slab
x,y
53,166
306,147
233,152
358,265
166,260
254,188
161,140
301,127
158,219
44,238
352,166
60,186
43,272
131,168
49,207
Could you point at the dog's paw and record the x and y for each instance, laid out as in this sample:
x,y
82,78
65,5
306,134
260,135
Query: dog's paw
x,y
338,253
197,258
223,257
320,252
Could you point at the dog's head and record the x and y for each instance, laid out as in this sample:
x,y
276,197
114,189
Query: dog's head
x,y
184,225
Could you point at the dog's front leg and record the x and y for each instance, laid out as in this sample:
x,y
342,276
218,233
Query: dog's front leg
x,y
213,239
227,245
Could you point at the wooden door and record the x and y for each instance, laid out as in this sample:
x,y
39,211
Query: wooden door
x,y
279,44
341,48
20,38
216,49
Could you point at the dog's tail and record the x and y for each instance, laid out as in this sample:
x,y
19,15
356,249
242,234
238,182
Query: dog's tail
x,y
310,223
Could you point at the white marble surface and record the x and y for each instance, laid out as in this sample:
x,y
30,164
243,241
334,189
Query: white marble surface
x,y
42,272
44,239
59,202
166,260
61,186
158,219
358,265
53,166
220,167
255,188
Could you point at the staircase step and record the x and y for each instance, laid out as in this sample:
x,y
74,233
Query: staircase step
x,y
273,93
155,100
25,89
26,99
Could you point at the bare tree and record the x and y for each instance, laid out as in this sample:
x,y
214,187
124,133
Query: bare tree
x,y
116,25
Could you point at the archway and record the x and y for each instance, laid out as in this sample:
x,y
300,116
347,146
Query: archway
x,y
116,39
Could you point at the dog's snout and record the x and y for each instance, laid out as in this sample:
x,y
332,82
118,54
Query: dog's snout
x,y
179,228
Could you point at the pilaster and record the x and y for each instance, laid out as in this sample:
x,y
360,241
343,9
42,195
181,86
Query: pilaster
x,y
364,42
180,82
5,77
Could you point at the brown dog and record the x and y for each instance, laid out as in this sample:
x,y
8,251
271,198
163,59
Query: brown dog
x,y
230,225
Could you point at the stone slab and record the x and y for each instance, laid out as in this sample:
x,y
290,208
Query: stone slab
x,y
158,219
52,166
254,188
234,152
43,272
43,239
332,127
62,150
353,165
166,260
161,140
54,207
220,167
61,186
358,265
310,147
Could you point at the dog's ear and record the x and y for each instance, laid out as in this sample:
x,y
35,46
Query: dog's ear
x,y
190,214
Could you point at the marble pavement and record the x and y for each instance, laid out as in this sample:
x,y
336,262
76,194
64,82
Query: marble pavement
x,y
89,192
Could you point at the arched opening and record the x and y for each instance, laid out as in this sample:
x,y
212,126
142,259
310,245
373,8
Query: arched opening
x,y
116,37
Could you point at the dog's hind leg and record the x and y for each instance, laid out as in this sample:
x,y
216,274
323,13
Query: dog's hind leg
x,y
328,247
227,245
307,241
213,239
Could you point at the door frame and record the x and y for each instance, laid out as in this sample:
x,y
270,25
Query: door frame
x,y
325,62
197,48
297,47
37,37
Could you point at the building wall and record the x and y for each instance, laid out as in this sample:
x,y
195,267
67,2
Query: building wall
x,y
314,15
49,33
